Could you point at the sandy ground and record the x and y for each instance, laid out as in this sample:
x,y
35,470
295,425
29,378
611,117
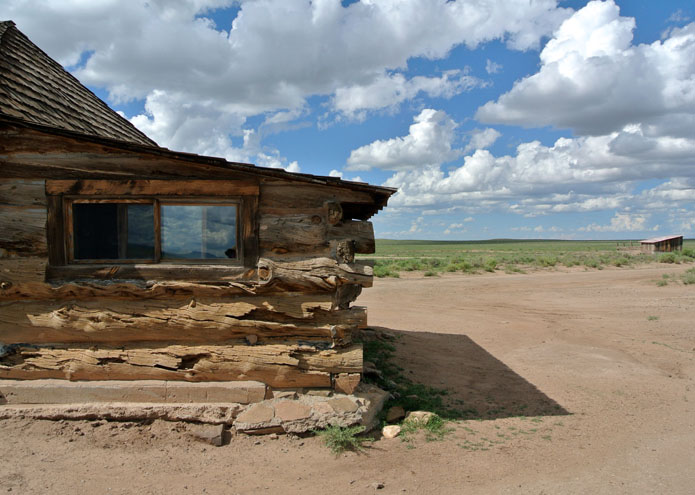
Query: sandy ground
x,y
606,393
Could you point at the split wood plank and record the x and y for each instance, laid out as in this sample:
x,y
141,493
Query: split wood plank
x,y
280,366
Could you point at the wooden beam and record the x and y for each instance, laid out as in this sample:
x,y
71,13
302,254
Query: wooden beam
x,y
316,273
280,366
122,322
151,187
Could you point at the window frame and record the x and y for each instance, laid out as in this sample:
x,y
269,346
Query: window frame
x,y
63,194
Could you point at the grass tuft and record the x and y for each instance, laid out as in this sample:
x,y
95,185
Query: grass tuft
x,y
338,439
688,277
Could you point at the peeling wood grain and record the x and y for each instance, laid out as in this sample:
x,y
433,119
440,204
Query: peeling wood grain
x,y
20,271
22,231
21,192
280,366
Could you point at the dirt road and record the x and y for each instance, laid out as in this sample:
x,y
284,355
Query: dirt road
x,y
588,376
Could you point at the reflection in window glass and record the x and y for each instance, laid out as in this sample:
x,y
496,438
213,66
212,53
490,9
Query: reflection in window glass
x,y
198,232
113,231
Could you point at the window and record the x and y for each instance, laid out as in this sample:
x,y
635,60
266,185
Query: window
x,y
117,230
151,223
207,232
113,231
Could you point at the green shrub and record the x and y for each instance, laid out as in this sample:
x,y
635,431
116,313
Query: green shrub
x,y
667,258
341,439
490,265
384,270
547,261
688,277
435,429
592,263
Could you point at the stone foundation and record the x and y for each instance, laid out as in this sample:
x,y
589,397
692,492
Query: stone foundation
x,y
248,407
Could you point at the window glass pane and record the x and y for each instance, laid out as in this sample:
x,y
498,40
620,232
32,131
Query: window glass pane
x,y
198,232
112,231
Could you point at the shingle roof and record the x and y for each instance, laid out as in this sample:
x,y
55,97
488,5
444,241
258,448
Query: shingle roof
x,y
35,88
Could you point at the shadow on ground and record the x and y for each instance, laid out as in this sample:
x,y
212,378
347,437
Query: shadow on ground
x,y
477,385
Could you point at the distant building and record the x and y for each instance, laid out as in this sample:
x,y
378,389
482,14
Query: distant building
x,y
662,244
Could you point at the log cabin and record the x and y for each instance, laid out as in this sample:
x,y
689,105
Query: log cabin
x,y
123,260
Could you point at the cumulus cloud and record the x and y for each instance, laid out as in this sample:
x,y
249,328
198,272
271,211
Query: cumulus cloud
x,y
429,142
482,138
594,81
200,127
277,52
622,222
389,90
580,174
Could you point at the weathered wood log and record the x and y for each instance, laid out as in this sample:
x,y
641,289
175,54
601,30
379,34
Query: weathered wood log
x,y
22,231
360,233
292,234
346,294
273,277
280,366
278,197
318,273
29,153
20,192
153,187
196,321
21,270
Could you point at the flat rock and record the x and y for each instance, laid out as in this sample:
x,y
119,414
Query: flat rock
x,y
256,414
122,411
292,410
391,431
56,391
346,383
343,404
212,434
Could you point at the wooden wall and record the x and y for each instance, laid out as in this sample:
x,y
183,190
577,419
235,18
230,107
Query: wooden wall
x,y
289,321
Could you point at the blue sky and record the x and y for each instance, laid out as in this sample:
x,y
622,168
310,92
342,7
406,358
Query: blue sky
x,y
521,119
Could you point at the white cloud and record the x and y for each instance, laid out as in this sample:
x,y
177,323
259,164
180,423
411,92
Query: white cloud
x,y
482,138
389,90
622,222
593,80
492,67
176,123
428,142
277,52
582,174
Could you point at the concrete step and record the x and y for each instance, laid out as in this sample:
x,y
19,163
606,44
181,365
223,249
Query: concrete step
x,y
50,391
